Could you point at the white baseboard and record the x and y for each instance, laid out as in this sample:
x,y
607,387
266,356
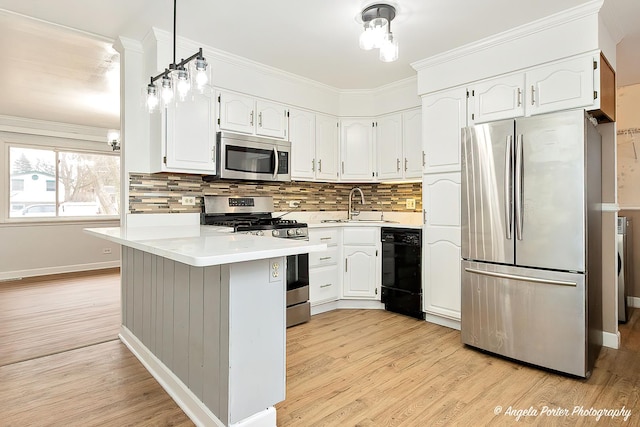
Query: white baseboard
x,y
633,302
179,392
266,418
357,304
442,321
323,308
18,274
611,340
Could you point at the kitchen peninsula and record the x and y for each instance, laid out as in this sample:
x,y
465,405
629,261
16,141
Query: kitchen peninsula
x,y
204,310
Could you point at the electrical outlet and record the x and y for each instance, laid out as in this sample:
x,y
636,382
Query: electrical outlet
x,y
294,203
411,203
106,251
188,201
274,270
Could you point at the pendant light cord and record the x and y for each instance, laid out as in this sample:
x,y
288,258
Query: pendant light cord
x,y
174,31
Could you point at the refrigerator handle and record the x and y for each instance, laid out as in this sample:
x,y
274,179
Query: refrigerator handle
x,y
518,184
508,176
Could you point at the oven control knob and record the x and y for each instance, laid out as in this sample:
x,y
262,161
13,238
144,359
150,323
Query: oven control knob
x,y
291,232
275,233
259,233
299,232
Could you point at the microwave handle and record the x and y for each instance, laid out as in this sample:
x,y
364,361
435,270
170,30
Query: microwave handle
x,y
275,172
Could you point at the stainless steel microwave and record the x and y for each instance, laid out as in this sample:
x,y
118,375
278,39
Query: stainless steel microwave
x,y
252,158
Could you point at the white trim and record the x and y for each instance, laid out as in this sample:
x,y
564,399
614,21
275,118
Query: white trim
x,y
266,418
360,304
179,392
46,271
540,25
55,129
610,207
324,307
629,208
611,340
633,302
442,321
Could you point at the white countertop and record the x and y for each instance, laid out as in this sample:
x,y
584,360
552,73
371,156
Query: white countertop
x,y
202,245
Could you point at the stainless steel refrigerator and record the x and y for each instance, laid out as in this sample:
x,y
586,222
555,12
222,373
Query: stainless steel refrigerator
x,y
531,240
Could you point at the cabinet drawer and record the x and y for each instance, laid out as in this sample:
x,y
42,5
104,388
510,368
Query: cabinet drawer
x,y
328,257
324,284
326,236
361,235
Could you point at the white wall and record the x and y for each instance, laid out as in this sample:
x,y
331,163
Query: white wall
x,y
38,248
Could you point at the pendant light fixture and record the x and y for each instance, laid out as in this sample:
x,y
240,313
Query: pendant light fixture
x,y
377,34
177,77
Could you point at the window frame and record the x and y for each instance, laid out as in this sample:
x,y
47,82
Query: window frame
x,y
57,145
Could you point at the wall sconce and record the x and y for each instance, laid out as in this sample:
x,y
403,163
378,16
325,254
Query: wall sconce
x,y
113,140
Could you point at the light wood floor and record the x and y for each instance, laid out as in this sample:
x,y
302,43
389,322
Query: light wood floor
x,y
344,368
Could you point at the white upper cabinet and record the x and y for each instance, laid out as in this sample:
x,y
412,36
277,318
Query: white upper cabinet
x,y
412,143
189,136
236,112
327,148
561,86
389,144
241,113
271,119
497,99
557,86
302,134
444,115
357,150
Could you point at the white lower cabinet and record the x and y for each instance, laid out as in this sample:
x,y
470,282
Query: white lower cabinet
x,y
441,245
362,265
324,267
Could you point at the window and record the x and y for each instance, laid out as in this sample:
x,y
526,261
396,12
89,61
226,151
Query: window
x,y
56,183
17,185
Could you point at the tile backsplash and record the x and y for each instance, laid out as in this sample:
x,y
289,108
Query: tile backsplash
x,y
162,193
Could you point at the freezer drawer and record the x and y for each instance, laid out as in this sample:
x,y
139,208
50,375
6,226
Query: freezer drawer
x,y
534,316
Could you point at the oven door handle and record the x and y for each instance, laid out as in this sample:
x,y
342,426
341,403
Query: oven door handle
x,y
275,169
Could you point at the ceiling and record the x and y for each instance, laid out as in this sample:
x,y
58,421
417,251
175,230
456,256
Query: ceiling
x,y
61,66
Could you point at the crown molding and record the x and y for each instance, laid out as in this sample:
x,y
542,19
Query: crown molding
x,y
525,30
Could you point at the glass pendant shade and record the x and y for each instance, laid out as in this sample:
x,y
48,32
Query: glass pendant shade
x,y
183,85
167,90
379,27
152,97
389,49
201,73
366,38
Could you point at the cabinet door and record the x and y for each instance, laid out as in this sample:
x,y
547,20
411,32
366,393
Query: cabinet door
x,y
356,146
441,245
327,148
236,112
302,134
271,119
444,115
412,143
389,147
361,272
190,135
560,86
324,284
497,99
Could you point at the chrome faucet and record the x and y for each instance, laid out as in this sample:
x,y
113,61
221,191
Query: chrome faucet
x,y
353,213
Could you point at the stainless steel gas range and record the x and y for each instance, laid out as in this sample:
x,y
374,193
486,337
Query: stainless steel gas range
x,y
254,215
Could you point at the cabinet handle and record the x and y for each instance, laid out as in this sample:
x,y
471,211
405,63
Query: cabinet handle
x,y
320,165
424,160
251,118
342,168
325,238
424,216
397,165
313,165
327,285
533,97
405,164
346,268
519,97
324,258
260,119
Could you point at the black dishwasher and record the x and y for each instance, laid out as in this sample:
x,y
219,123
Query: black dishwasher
x,y
402,271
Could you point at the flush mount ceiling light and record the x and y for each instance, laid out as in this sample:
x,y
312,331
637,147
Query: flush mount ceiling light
x,y
178,75
376,20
